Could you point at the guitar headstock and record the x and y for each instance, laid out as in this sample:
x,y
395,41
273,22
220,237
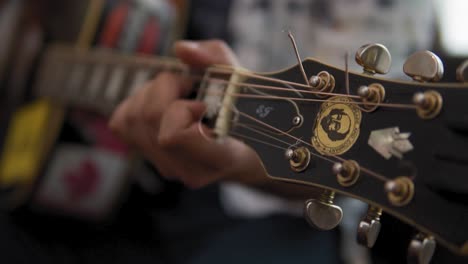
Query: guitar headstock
x,y
400,146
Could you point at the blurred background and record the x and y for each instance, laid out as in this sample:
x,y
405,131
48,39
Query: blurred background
x,y
71,192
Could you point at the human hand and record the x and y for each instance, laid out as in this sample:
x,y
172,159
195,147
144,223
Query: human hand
x,y
163,125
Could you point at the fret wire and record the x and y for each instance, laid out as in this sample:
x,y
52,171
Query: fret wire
x,y
114,84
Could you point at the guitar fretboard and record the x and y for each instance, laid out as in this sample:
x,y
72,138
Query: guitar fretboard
x,y
97,79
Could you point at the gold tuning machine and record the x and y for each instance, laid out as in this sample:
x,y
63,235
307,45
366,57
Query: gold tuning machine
x,y
462,72
369,227
371,96
421,249
322,82
374,58
429,104
321,213
347,173
299,158
400,191
424,66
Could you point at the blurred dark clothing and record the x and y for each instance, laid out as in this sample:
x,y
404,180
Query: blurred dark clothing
x,y
195,230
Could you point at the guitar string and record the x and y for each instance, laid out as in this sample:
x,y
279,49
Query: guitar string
x,y
235,134
182,70
289,144
267,87
195,76
347,82
298,57
283,82
246,126
368,171
254,96
277,97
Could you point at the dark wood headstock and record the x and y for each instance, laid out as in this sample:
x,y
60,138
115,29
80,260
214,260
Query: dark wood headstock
x,y
431,165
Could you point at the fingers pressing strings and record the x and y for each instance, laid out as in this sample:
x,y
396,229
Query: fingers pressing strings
x,y
283,82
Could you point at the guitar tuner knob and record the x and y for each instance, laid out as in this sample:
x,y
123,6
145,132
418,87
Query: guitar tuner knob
x,y
429,104
424,66
462,72
347,173
374,58
421,249
322,213
400,191
369,227
299,158
363,91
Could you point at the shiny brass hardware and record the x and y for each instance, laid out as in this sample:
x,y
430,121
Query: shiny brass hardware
x,y
429,104
421,249
369,227
400,191
297,121
374,58
424,66
347,173
372,96
322,213
322,82
462,72
299,158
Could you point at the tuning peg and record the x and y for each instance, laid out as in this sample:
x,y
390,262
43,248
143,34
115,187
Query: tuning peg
x,y
374,58
369,227
462,72
421,249
424,66
299,158
322,213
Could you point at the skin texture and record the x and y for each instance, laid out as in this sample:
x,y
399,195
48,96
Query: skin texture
x,y
161,124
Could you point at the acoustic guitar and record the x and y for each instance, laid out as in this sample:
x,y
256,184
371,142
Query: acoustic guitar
x,y
400,146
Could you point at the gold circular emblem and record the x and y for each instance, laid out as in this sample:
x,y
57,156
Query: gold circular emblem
x,y
337,126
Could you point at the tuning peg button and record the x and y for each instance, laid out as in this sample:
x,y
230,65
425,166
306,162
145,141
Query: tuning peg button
x,y
369,227
322,213
421,249
374,58
424,66
462,72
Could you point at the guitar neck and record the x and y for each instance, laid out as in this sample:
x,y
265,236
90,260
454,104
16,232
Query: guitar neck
x,y
97,79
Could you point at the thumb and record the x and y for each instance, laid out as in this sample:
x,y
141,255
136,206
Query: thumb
x,y
201,54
